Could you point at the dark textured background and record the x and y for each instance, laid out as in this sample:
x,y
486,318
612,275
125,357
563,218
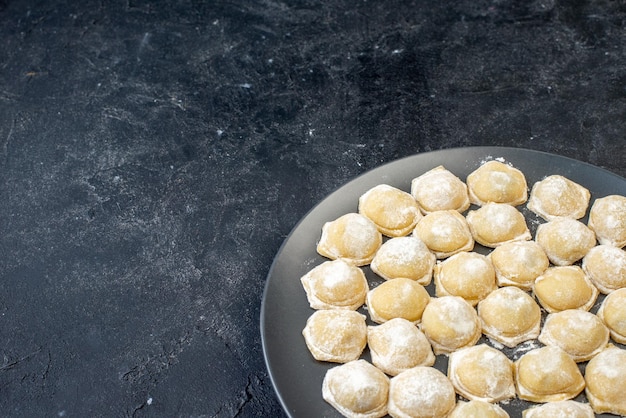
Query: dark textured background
x,y
154,155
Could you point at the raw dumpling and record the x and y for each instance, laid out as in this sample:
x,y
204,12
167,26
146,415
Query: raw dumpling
x,y
495,224
606,381
357,390
560,409
395,212
497,182
565,240
335,285
439,189
469,275
398,345
557,196
336,335
519,263
605,266
450,323
607,218
351,237
613,313
547,374
406,257
421,392
445,233
510,316
477,409
482,373
397,298
565,287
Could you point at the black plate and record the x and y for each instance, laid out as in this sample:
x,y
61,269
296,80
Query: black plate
x,y
296,376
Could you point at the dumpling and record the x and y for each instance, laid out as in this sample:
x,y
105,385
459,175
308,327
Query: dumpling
x,y
606,381
580,334
560,409
421,392
406,257
445,233
357,389
336,335
469,275
397,298
565,287
394,211
510,316
519,263
450,323
556,196
613,313
351,237
607,218
495,224
477,409
439,189
398,345
547,374
606,267
565,240
482,373
497,182
335,285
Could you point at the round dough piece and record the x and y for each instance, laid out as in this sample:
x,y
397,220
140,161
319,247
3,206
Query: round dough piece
x,y
560,409
565,240
335,285
580,334
605,266
357,389
510,316
397,298
469,275
477,409
547,374
450,323
439,189
421,392
394,211
335,335
519,263
351,237
607,218
445,232
398,345
497,182
406,257
605,376
613,314
482,373
495,224
556,196
565,287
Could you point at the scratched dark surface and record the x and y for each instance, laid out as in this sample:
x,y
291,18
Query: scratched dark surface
x,y
154,155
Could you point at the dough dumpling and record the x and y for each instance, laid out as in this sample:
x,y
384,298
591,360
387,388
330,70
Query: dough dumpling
x,y
336,335
565,287
477,409
557,196
547,374
335,285
439,189
560,409
607,218
495,224
605,266
613,313
395,212
421,392
450,323
469,275
519,263
397,298
497,182
357,389
398,345
606,381
482,373
445,233
406,257
565,240
351,237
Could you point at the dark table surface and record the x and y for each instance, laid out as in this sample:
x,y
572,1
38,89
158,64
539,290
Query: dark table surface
x,y
154,155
